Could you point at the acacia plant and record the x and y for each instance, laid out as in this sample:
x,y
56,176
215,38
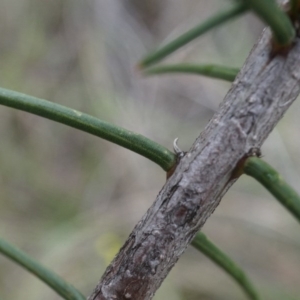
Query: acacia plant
x,y
261,92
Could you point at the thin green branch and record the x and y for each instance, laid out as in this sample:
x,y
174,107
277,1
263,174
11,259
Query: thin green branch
x,y
274,183
195,32
125,138
276,18
204,245
64,289
213,71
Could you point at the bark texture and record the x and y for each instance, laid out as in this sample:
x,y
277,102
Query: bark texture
x,y
264,89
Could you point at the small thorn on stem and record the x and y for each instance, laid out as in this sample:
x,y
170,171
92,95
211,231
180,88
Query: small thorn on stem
x,y
177,150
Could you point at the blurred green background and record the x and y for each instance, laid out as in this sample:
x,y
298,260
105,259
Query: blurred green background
x,y
70,199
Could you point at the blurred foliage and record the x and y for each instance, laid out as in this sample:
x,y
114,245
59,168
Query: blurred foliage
x,y
64,192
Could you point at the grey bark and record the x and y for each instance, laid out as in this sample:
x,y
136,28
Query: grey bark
x,y
264,89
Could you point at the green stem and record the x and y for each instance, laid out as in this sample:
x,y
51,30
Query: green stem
x,y
200,29
214,71
125,138
276,18
62,288
274,183
204,245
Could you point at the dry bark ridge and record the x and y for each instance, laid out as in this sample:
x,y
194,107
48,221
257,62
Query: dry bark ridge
x,y
264,89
